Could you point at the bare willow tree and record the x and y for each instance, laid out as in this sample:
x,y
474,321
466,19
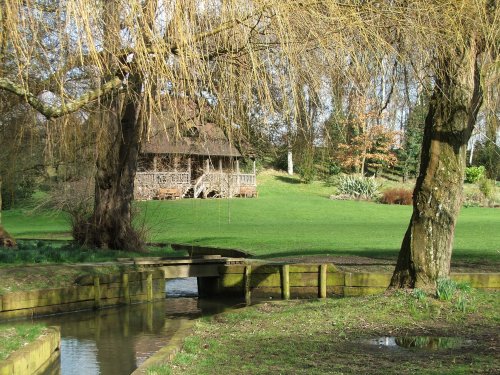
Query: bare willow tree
x,y
120,60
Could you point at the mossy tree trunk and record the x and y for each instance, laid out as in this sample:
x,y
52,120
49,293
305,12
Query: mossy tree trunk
x,y
426,250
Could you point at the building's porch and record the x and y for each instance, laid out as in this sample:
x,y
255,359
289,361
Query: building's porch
x,y
196,178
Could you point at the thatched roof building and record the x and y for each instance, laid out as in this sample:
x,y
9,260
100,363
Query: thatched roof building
x,y
187,156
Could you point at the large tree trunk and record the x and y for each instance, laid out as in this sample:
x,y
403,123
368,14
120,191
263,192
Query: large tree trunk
x,y
426,250
111,223
114,186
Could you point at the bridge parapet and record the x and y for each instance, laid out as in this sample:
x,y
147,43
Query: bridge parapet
x,y
173,268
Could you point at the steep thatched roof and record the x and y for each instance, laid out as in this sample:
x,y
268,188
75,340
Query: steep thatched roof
x,y
198,137
205,139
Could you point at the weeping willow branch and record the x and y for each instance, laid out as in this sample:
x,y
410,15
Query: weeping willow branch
x,y
67,107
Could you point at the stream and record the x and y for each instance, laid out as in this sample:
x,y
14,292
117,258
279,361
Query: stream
x,y
115,341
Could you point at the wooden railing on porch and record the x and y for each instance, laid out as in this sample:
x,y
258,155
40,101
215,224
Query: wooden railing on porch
x,y
147,184
165,179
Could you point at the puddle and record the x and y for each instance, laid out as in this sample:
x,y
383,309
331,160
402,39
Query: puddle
x,y
421,342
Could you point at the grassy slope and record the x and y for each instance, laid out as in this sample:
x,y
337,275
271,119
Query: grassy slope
x,y
287,219
290,218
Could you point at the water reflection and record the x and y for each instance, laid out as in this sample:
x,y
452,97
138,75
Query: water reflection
x,y
421,342
112,341
80,354
118,340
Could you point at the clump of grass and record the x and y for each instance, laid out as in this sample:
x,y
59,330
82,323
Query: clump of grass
x,y
464,287
13,338
461,303
459,293
419,294
159,370
445,289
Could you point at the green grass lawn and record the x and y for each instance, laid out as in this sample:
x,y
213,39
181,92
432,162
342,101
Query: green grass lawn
x,y
26,223
288,218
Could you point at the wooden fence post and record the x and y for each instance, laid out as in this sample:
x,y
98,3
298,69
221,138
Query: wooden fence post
x,y
322,281
125,288
285,281
247,277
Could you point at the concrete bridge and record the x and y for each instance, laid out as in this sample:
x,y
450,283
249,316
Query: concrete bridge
x,y
208,270
174,268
